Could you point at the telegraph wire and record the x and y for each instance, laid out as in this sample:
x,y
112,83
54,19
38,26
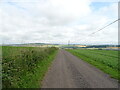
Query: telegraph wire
x,y
105,27
100,29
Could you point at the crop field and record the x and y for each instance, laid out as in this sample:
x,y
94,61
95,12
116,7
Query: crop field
x,y
106,60
24,67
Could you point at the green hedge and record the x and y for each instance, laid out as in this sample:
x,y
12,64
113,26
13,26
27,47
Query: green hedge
x,y
20,62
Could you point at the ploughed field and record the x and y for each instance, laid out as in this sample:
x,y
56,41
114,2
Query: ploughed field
x,y
106,60
24,67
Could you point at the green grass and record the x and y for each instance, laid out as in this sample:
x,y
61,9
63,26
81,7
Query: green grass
x,y
106,60
25,67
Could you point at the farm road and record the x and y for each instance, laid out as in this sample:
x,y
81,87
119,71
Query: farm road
x,y
67,71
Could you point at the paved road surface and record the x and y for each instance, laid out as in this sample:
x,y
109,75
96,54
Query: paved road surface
x,y
67,71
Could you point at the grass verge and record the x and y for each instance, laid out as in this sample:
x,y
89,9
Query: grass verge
x,y
25,67
111,71
33,80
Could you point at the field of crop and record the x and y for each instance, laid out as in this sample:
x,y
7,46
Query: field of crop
x,y
24,67
106,60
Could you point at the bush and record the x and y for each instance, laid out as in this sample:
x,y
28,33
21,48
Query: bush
x,y
17,62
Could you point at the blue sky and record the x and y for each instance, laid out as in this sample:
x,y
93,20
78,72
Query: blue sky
x,y
57,21
98,5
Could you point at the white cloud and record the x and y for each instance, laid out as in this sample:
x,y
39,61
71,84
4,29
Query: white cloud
x,y
56,21
105,0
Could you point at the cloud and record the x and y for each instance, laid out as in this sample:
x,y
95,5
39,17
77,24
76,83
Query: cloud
x,y
57,21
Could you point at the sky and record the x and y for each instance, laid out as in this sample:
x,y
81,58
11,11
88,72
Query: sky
x,y
58,21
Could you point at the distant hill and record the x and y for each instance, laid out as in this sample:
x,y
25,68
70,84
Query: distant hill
x,y
62,46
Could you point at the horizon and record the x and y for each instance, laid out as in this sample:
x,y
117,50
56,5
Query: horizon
x,y
56,44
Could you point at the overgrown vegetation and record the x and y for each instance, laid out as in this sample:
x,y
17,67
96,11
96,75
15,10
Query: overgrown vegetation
x,y
106,60
24,67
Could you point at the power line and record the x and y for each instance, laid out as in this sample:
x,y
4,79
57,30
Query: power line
x,y
101,28
105,27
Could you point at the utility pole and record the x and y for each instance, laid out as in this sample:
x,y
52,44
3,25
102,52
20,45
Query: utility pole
x,y
68,42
